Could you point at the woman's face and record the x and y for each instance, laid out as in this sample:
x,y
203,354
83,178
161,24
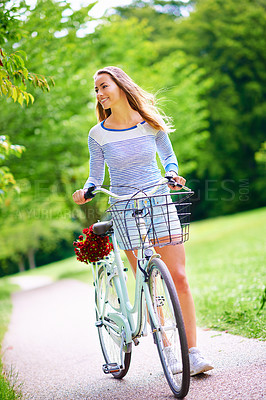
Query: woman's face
x,y
107,91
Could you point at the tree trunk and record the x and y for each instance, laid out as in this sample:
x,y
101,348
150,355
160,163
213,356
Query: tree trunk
x,y
21,264
31,258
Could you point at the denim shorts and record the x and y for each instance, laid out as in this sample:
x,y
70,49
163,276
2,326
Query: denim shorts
x,y
162,224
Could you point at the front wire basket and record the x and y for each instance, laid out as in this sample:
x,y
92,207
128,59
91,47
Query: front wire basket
x,y
148,221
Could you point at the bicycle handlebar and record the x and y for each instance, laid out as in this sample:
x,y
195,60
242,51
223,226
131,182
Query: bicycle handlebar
x,y
92,191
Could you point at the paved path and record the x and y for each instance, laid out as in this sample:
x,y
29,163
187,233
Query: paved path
x,y
53,345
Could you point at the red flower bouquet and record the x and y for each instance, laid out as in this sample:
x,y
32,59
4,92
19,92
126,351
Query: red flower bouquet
x,y
93,247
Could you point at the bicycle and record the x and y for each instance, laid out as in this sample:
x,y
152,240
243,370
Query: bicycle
x,y
156,301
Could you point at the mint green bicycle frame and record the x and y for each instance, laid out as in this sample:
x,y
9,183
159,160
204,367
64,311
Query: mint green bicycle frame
x,y
115,268
123,316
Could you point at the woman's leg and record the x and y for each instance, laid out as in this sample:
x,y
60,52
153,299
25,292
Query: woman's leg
x,y
174,258
132,259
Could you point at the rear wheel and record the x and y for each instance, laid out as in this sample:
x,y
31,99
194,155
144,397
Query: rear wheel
x,y
171,333
114,349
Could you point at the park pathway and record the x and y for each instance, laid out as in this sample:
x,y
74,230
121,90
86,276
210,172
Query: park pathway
x,y
53,346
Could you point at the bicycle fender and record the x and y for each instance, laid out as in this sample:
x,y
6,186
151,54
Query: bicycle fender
x,y
152,257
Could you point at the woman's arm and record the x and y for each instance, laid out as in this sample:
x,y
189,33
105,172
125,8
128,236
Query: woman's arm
x,y
166,152
96,164
96,171
168,157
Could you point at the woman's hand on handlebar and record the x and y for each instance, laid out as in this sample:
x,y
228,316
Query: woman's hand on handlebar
x,y
78,197
179,180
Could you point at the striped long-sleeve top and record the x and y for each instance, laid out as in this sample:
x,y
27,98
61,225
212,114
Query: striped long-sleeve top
x,y
130,155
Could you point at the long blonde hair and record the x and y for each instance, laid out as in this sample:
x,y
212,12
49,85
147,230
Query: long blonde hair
x,y
139,100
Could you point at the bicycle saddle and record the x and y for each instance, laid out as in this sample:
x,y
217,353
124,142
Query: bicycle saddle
x,y
100,228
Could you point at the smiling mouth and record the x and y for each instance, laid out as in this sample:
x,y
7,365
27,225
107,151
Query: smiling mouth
x,y
104,100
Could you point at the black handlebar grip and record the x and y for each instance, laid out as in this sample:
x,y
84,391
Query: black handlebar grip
x,y
88,194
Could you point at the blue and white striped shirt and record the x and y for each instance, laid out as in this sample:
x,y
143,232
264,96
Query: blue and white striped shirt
x,y
130,155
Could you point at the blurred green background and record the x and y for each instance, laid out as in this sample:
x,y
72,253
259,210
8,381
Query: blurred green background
x,y
205,60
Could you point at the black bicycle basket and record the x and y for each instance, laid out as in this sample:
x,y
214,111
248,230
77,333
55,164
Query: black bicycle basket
x,y
147,221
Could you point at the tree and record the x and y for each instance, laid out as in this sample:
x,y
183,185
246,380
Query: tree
x,y
13,78
227,39
38,218
162,17
13,72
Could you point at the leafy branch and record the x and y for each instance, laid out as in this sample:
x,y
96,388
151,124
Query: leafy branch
x,y
13,77
6,177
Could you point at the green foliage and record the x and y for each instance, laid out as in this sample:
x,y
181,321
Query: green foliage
x,y
13,71
10,14
182,99
153,8
8,390
40,217
260,156
5,305
13,77
226,39
262,301
6,177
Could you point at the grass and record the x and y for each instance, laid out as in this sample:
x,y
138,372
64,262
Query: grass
x,y
8,390
73,269
64,269
226,268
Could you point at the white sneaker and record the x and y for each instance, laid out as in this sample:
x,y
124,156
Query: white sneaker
x,y
198,363
173,362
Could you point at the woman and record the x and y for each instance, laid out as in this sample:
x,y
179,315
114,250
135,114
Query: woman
x,y
130,131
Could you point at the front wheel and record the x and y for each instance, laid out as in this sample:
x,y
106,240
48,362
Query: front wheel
x,y
106,301
170,336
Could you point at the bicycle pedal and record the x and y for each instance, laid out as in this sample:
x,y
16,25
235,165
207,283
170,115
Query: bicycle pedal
x,y
111,368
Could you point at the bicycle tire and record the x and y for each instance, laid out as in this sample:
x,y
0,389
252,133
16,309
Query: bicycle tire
x,y
172,331
108,338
